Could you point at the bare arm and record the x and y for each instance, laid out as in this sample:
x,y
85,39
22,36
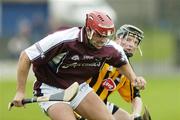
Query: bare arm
x,y
136,106
22,74
128,72
138,82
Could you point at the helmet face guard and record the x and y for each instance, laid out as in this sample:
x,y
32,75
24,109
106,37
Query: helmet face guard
x,y
100,23
99,43
129,30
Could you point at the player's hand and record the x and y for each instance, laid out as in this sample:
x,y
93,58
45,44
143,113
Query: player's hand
x,y
17,101
139,83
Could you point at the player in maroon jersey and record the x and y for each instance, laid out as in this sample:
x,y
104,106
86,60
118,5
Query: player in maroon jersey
x,y
73,55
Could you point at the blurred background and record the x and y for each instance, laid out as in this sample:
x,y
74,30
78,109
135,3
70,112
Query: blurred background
x,y
23,22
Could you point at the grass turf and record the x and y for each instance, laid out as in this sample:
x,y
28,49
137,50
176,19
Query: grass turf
x,y
162,96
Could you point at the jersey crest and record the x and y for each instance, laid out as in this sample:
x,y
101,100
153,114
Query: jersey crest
x,y
109,84
109,80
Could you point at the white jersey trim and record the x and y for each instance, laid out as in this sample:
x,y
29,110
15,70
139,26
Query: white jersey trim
x,y
119,49
42,46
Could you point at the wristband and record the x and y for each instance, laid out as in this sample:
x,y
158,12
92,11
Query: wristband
x,y
138,118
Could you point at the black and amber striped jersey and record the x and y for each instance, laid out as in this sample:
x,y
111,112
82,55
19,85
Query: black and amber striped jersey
x,y
108,80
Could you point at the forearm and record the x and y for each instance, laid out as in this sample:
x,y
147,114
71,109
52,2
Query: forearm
x,y
136,81
137,105
128,72
22,72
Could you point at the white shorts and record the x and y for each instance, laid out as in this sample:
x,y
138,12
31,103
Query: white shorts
x,y
84,89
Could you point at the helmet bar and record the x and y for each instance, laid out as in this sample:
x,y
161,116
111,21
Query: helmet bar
x,y
107,32
131,30
135,36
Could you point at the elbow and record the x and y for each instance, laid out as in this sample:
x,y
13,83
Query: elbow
x,y
24,57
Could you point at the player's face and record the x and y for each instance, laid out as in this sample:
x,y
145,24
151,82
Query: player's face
x,y
98,41
129,43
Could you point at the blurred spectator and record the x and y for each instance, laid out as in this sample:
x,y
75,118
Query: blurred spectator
x,y
39,26
21,40
177,49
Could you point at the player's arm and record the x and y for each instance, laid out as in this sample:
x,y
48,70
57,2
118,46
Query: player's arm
x,y
136,103
128,72
22,74
136,81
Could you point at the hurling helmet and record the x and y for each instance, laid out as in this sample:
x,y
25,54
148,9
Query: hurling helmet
x,y
100,23
130,30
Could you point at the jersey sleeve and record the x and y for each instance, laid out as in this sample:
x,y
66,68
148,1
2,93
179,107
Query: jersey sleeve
x,y
48,47
38,52
119,57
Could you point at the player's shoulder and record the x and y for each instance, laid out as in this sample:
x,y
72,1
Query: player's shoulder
x,y
69,30
114,45
65,34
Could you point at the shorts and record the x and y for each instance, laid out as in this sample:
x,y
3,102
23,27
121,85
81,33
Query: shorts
x,y
84,89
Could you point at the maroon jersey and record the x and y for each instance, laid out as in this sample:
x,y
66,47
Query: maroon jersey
x,y
65,56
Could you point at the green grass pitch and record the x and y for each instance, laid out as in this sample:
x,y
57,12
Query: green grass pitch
x,y
162,96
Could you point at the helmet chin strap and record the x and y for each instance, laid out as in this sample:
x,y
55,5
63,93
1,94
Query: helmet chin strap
x,y
139,48
89,36
90,33
140,51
